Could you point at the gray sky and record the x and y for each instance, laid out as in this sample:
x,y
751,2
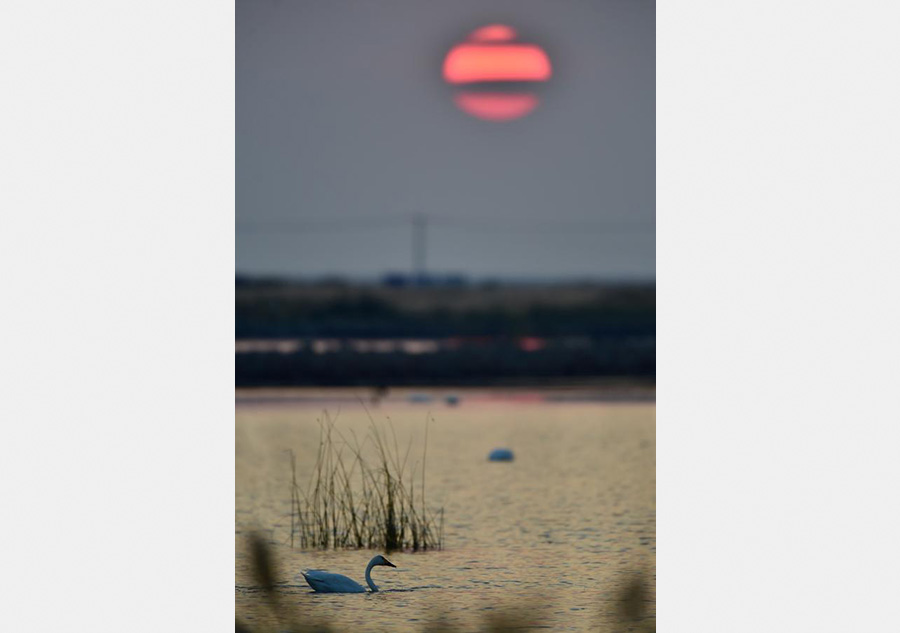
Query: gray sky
x,y
344,128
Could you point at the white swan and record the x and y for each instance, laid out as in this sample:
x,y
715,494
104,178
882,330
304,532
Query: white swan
x,y
326,582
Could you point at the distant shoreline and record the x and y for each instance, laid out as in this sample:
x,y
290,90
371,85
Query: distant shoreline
x,y
600,391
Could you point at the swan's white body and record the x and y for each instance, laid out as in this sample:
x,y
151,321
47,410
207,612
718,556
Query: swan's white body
x,y
326,582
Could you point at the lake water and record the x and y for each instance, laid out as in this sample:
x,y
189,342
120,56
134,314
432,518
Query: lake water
x,y
552,538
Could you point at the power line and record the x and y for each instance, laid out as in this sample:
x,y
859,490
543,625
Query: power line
x,y
318,225
419,222
515,225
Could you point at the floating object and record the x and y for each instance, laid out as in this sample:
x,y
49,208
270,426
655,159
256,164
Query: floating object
x,y
451,400
419,398
496,75
501,455
325,582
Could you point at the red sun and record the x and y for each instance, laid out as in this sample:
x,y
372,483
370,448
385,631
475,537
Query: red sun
x,y
491,58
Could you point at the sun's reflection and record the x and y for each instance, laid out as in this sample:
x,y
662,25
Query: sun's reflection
x,y
496,106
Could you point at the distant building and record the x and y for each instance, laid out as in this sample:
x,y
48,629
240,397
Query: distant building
x,y
404,280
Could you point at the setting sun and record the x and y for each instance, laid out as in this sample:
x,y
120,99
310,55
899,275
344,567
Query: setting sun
x,y
491,62
490,55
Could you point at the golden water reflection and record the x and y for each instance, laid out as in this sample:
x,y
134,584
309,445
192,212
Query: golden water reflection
x,y
565,528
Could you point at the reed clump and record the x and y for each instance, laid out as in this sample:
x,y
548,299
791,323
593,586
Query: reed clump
x,y
364,494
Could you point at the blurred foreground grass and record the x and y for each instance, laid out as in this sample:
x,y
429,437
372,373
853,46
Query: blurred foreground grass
x,y
629,614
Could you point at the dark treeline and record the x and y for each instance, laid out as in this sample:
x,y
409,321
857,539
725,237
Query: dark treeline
x,y
273,309
586,330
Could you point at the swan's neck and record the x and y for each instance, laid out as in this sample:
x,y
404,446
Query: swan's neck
x,y
369,575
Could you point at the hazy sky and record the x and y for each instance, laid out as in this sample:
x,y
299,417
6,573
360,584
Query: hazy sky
x,y
344,128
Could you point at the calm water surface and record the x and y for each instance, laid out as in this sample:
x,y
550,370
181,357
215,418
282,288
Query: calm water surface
x,y
552,537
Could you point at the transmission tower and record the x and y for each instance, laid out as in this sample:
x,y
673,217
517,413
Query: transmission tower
x,y
419,222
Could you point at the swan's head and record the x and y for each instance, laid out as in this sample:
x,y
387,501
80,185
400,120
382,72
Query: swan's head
x,y
381,560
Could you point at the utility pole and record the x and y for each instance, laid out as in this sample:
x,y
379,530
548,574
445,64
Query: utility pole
x,y
418,246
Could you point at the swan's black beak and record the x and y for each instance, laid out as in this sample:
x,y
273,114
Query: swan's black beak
x,y
389,563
